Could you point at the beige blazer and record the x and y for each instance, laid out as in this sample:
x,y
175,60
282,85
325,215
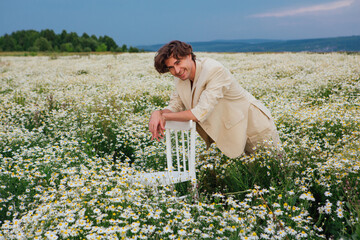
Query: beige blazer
x,y
222,107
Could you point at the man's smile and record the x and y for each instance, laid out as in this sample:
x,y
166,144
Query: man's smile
x,y
180,75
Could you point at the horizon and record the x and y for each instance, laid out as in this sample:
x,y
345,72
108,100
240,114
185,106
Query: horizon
x,y
256,39
140,22
208,41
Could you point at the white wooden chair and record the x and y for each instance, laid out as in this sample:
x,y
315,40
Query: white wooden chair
x,y
180,156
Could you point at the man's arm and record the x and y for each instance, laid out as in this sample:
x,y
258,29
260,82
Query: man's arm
x,y
158,119
179,116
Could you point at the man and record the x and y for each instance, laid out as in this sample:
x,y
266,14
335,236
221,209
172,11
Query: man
x,y
207,93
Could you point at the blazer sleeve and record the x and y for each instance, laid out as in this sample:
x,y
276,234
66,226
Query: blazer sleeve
x,y
175,103
216,86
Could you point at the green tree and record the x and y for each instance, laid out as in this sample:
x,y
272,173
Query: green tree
x,y
63,36
21,39
9,43
79,48
48,40
51,36
94,37
48,34
1,43
31,37
42,44
133,49
67,47
101,48
110,43
89,43
72,38
124,48
85,36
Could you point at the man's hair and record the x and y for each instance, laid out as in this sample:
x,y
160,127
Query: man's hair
x,y
176,49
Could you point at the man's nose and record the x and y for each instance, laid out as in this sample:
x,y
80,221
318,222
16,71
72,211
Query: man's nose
x,y
177,69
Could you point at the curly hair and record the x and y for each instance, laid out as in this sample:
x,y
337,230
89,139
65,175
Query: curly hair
x,y
176,49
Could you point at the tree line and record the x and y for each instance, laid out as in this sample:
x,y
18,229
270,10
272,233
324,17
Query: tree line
x,y
48,41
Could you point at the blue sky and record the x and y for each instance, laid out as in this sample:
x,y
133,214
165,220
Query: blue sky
x,y
143,22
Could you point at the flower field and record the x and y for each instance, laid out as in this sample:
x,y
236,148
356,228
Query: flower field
x,y
73,131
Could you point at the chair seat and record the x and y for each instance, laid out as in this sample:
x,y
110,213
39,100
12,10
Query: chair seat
x,y
163,177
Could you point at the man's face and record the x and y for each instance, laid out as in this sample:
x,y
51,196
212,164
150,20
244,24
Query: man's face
x,y
183,68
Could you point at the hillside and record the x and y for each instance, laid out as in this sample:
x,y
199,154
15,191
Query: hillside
x,y
348,44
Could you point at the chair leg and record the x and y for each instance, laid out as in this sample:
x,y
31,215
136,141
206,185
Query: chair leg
x,y
194,188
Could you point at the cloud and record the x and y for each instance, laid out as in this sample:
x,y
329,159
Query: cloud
x,y
314,8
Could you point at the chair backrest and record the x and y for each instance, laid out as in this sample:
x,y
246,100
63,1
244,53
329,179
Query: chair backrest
x,y
181,150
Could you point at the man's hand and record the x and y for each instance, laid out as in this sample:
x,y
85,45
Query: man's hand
x,y
157,125
159,118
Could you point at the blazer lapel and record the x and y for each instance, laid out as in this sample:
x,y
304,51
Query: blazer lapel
x,y
184,91
195,94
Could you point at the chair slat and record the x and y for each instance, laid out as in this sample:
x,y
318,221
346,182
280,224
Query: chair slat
x,y
168,150
177,150
185,160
